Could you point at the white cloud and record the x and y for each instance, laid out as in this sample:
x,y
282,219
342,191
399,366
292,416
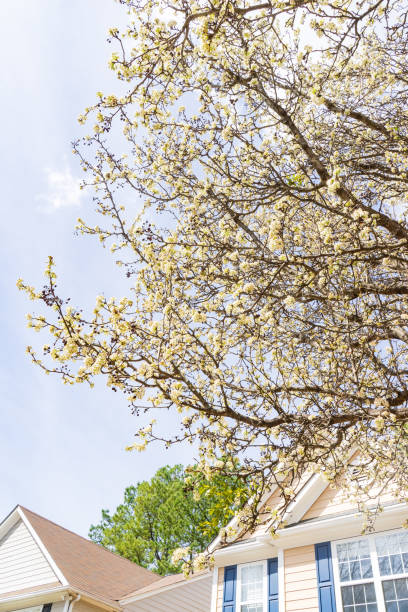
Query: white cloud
x,y
63,189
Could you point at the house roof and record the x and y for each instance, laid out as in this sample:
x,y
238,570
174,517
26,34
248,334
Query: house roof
x,y
163,582
166,582
86,565
173,593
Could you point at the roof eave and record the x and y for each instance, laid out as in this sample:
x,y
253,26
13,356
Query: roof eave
x,y
59,593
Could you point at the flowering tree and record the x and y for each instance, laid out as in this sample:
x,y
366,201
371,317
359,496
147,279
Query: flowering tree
x,y
257,206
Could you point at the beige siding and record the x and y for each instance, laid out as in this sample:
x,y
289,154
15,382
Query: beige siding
x,y
186,597
22,563
331,501
300,580
334,500
220,588
84,606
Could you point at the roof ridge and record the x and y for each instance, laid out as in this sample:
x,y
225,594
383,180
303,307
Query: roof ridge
x,y
99,546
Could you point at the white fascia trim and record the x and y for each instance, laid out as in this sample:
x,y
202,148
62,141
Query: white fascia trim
x,y
246,546
32,594
311,482
8,522
43,549
59,590
344,519
160,590
304,499
308,494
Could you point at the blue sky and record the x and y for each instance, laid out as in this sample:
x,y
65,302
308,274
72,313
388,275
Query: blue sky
x,y
61,449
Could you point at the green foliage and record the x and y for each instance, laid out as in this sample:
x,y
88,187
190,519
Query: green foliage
x,y
176,508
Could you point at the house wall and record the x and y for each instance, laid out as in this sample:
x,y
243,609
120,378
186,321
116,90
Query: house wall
x,y
83,606
22,563
300,579
334,500
188,596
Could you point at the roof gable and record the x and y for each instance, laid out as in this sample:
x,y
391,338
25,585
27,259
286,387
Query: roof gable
x,y
315,499
87,566
22,562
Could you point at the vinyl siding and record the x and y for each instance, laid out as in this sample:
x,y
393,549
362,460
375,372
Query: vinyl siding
x,y
188,597
22,563
334,500
83,606
300,580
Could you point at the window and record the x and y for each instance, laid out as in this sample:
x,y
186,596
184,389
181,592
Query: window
x,y
252,587
372,573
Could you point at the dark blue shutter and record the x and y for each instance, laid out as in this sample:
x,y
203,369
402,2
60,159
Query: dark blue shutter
x,y
273,585
230,587
327,602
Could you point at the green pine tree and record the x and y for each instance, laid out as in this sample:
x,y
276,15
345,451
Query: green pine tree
x,y
176,508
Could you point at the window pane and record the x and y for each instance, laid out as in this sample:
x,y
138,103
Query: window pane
x,y
353,549
366,571
364,550
389,590
393,542
251,592
252,583
347,595
355,570
370,592
392,553
344,572
354,560
385,566
401,589
252,608
251,573
396,564
396,595
359,598
381,545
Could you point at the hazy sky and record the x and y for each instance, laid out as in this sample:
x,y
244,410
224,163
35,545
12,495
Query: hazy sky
x,y
61,449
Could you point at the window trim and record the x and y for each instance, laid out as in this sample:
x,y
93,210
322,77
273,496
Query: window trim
x,y
264,563
376,578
